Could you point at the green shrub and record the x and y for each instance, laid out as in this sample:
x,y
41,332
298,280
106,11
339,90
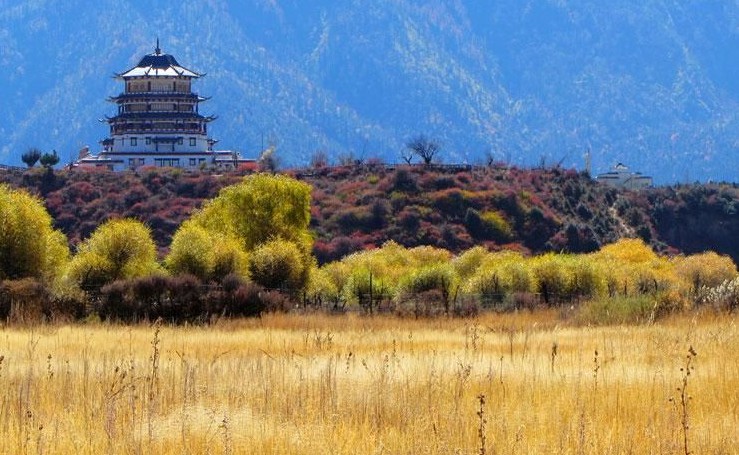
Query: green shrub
x,y
207,255
432,286
498,276
498,227
467,263
367,290
322,289
279,264
488,226
191,252
118,249
451,202
551,278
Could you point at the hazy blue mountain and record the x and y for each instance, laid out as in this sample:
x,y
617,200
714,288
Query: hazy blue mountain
x,y
651,83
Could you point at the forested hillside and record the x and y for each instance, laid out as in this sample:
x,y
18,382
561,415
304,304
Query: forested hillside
x,y
651,83
454,207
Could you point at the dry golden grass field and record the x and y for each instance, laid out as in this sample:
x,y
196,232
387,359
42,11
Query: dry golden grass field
x,y
283,384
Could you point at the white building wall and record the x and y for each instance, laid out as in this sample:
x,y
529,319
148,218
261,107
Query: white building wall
x,y
147,143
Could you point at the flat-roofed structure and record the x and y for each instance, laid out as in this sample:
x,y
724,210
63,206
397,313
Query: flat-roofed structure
x,y
621,177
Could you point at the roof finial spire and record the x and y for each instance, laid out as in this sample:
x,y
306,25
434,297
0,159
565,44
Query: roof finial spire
x,y
157,50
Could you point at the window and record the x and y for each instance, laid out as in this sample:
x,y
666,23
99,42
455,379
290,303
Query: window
x,y
179,140
133,142
193,161
132,163
148,141
167,162
142,161
193,141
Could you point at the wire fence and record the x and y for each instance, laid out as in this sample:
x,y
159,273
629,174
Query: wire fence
x,y
185,299
6,167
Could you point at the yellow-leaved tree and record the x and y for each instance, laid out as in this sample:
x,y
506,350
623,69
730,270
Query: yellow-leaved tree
x,y
323,288
497,276
249,226
209,256
552,277
429,288
118,249
632,267
278,264
369,278
29,246
467,263
704,269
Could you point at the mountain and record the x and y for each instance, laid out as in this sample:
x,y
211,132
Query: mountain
x,y
649,83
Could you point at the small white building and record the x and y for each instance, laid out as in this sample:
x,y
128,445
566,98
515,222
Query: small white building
x,y
158,122
621,177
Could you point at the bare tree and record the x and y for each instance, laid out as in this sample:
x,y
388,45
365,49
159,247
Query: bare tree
x,y
425,148
348,159
319,160
407,154
268,161
490,158
31,157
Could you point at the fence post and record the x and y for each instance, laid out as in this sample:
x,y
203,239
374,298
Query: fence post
x,y
371,299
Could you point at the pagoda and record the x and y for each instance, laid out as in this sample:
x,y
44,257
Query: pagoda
x,y
158,122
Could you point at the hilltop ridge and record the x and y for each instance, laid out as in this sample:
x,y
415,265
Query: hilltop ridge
x,y
455,207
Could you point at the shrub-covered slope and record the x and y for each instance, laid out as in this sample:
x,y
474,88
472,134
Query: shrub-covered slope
x,y
454,207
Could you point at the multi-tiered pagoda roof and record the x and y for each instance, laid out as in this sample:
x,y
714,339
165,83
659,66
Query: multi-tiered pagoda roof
x,y
158,121
158,64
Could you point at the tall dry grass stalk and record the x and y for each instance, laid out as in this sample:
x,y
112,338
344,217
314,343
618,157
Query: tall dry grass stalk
x,y
347,385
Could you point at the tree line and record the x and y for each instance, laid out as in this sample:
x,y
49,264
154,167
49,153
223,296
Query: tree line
x,y
249,250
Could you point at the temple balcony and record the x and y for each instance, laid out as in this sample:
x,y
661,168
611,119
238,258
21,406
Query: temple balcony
x,y
158,92
154,116
158,111
157,95
195,131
